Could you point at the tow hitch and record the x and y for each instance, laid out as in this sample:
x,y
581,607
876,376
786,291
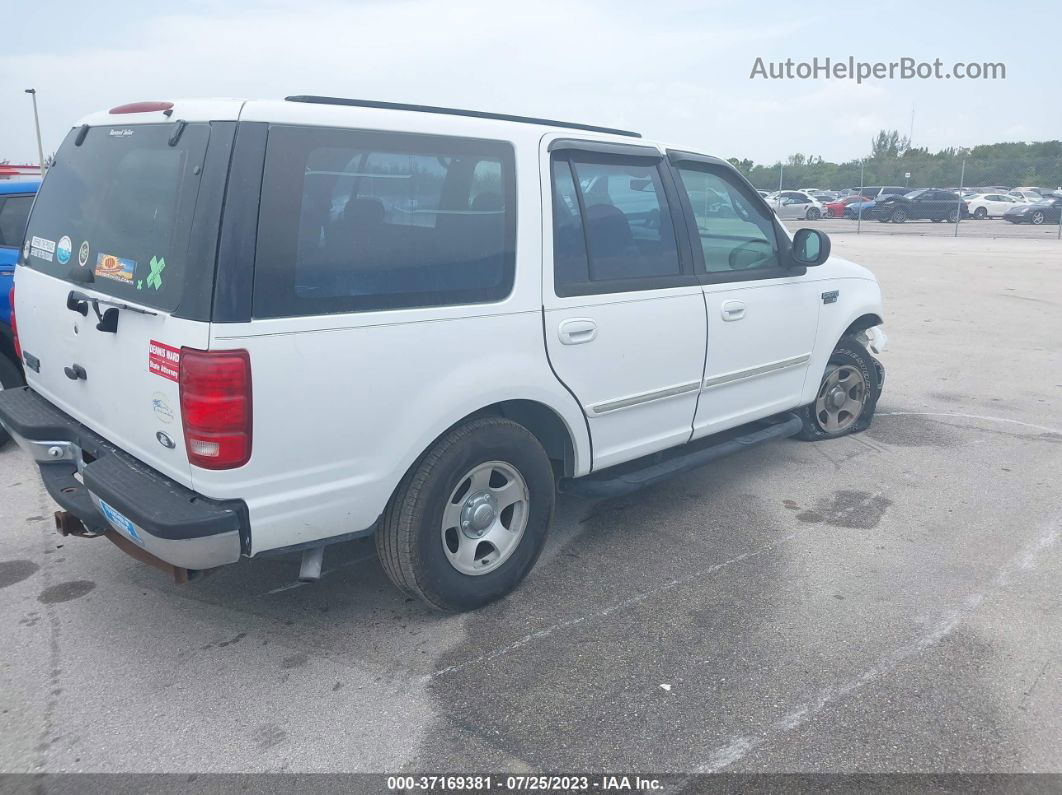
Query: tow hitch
x,y
66,524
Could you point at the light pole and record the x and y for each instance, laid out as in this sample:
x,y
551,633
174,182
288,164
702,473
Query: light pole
x,y
37,123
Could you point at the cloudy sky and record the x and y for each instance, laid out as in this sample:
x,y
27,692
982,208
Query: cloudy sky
x,y
672,69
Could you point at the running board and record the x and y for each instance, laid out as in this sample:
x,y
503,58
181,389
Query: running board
x,y
622,479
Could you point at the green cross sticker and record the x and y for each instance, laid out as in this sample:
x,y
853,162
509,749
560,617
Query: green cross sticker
x,y
154,278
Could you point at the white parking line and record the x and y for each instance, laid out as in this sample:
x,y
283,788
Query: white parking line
x,y
965,416
739,746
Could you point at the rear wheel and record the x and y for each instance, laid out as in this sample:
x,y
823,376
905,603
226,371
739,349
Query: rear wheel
x,y
10,377
468,522
1037,217
952,216
847,396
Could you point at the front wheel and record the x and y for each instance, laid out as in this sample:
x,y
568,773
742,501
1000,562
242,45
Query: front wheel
x,y
847,396
468,521
814,214
899,215
10,377
1037,218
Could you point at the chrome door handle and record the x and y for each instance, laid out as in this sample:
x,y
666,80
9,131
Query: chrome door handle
x,y
733,310
577,331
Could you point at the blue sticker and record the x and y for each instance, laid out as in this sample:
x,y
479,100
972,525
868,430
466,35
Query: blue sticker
x,y
63,249
120,522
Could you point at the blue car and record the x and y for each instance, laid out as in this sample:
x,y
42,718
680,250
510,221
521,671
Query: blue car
x,y
16,198
853,210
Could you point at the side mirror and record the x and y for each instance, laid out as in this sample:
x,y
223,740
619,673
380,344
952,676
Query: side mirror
x,y
810,247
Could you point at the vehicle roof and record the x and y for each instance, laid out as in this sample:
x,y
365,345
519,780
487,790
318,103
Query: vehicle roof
x,y
374,115
19,186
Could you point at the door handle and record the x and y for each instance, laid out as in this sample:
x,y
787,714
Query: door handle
x,y
733,310
577,331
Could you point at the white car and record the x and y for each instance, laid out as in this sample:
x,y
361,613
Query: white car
x,y
990,205
795,204
1026,196
263,327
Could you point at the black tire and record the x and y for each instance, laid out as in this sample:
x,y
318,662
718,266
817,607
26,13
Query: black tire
x,y
981,213
899,215
848,353
936,220
814,214
1037,218
10,378
952,216
409,539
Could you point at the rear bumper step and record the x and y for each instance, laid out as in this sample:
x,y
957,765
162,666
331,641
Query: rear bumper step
x,y
626,478
109,490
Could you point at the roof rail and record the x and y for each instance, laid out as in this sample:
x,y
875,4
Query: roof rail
x,y
371,103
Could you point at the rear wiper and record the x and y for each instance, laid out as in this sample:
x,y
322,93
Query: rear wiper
x,y
108,321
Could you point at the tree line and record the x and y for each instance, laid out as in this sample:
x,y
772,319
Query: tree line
x,y
892,156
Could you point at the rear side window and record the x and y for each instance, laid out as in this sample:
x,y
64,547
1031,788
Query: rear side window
x,y
357,220
117,211
612,226
14,212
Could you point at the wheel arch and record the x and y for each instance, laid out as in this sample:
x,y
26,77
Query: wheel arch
x,y
862,323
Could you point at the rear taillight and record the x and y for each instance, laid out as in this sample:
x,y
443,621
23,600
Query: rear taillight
x,y
14,325
216,407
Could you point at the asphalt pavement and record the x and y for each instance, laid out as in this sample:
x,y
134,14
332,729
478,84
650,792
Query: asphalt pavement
x,y
890,601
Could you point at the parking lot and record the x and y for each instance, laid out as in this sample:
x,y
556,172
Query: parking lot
x,y
992,228
885,602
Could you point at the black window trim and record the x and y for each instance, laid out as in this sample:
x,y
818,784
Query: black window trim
x,y
787,267
686,277
4,199
605,147
454,298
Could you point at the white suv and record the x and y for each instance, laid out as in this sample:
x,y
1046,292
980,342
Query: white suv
x,y
264,327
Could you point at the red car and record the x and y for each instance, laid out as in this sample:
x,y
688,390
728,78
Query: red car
x,y
836,209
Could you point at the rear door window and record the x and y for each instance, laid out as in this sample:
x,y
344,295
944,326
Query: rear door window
x,y
14,212
613,229
356,220
116,211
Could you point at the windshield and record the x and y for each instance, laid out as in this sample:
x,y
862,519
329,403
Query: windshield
x,y
114,213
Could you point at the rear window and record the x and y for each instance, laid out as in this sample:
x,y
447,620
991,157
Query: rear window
x,y
14,210
356,220
117,210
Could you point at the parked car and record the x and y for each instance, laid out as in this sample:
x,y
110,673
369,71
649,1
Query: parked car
x,y
1026,196
873,191
16,198
836,208
224,365
926,203
823,196
1041,212
795,204
990,205
859,209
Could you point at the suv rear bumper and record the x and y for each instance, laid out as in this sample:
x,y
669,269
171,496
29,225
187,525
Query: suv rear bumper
x,y
163,517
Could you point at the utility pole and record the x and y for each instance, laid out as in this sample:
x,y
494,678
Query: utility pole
x,y
958,204
37,123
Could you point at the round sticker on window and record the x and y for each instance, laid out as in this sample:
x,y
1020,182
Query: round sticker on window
x,y
63,249
82,254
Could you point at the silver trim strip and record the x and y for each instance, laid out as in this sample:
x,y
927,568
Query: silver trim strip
x,y
647,397
752,372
